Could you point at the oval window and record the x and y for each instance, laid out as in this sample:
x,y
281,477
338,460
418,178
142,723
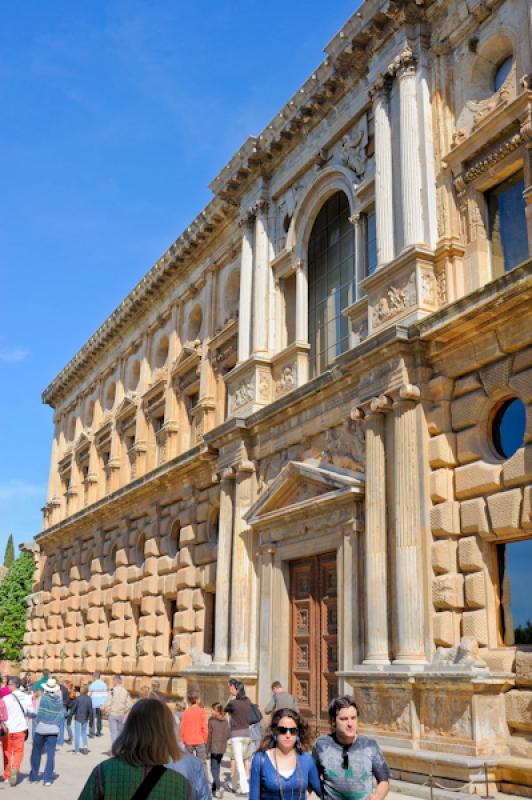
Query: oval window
x,y
508,427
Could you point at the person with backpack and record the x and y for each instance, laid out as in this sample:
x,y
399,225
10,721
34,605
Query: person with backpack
x,y
81,711
50,717
18,705
137,769
240,713
216,744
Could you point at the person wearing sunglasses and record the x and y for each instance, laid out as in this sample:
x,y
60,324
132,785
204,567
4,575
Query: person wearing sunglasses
x,y
348,764
282,768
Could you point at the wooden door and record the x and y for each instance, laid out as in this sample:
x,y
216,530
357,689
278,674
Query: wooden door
x,y
314,636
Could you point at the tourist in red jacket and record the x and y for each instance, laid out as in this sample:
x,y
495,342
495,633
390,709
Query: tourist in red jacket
x,y
194,730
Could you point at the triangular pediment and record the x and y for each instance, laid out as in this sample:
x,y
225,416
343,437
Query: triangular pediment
x,y
300,485
126,407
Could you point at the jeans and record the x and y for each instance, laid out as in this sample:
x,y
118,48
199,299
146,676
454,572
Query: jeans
x,y
13,747
216,760
240,745
48,742
96,722
68,725
198,750
80,729
61,734
116,725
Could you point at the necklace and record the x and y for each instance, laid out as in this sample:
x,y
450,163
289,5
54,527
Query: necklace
x,y
299,779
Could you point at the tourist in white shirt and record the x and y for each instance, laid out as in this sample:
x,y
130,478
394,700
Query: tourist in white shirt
x,y
18,704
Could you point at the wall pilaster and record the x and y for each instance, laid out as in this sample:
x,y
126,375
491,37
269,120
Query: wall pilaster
x,y
223,567
383,172
246,285
242,568
411,191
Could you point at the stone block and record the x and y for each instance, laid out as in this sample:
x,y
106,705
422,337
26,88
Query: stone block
x,y
474,518
165,565
443,627
151,605
445,519
115,665
468,445
202,512
205,553
522,360
185,621
444,556
486,347
187,535
198,600
116,628
130,628
149,586
186,578
200,620
185,599
469,555
439,418
170,585
518,468
208,577
519,709
147,665
523,666
94,599
466,385
202,532
475,479
120,592
448,591
121,558
151,547
475,590
440,388
522,385
135,592
160,646
150,566
498,659
441,485
495,376
185,557
442,450
467,410
133,573
475,624
505,510
148,626
526,511
184,642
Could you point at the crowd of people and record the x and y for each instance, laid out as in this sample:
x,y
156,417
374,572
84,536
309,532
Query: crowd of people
x,y
162,752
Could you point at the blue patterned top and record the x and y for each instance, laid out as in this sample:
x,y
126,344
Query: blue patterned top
x,y
266,784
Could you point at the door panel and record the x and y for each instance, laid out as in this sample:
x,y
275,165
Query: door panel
x,y
314,636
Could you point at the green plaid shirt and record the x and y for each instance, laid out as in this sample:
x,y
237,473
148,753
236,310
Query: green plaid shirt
x,y
114,779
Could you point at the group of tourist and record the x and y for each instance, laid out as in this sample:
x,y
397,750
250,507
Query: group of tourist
x,y
160,754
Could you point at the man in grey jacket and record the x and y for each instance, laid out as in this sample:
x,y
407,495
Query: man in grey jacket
x,y
280,699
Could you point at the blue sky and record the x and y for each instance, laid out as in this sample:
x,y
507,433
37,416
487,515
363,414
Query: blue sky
x,y
116,115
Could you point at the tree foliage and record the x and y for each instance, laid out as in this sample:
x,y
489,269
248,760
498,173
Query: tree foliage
x,y
14,589
9,555
523,633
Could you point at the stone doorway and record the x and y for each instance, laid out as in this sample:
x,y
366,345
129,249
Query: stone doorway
x,y
314,636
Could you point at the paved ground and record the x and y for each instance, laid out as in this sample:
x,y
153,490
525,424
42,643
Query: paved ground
x,y
72,770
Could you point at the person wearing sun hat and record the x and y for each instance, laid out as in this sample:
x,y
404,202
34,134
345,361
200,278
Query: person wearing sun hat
x,y
49,718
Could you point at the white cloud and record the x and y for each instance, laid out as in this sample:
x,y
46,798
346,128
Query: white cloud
x,y
12,355
16,490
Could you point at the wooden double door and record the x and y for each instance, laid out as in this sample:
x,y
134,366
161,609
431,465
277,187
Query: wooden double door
x,y
314,636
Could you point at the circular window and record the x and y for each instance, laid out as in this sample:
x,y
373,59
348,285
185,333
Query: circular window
x,y
501,72
508,427
161,353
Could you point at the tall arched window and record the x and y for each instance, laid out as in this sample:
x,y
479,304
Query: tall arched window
x,y
331,281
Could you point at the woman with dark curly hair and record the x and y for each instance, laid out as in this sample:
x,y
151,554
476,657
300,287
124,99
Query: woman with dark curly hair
x,y
282,768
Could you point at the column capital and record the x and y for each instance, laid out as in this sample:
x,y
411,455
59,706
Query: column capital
x,y
355,218
381,87
408,392
245,467
227,475
403,64
247,218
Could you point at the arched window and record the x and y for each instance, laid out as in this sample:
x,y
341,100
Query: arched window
x,y
331,281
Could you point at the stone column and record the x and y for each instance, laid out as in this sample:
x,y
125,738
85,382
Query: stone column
x,y
242,568
408,589
375,536
260,281
360,266
383,172
223,568
411,190
301,306
246,279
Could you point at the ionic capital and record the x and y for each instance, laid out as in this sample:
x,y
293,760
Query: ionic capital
x,y
380,405
245,468
408,393
227,475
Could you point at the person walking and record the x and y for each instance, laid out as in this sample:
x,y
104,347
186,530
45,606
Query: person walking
x,y
147,743
82,714
48,724
216,743
280,699
18,704
239,709
348,763
282,766
65,694
40,683
68,711
193,730
98,696
117,707
4,687
194,771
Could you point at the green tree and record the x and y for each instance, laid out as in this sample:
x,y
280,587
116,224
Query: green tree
x,y
14,589
9,555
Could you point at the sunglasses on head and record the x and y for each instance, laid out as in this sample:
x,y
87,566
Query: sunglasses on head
x,y
292,731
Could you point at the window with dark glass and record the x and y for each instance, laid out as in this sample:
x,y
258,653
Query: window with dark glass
x,y
501,72
370,232
331,282
508,427
507,224
514,563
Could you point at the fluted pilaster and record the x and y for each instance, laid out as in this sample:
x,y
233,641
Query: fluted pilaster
x,y
383,173
260,282
223,568
246,283
242,568
375,537
408,589
411,189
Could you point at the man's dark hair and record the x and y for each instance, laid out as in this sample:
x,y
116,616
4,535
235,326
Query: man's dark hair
x,y
336,705
96,676
277,685
15,680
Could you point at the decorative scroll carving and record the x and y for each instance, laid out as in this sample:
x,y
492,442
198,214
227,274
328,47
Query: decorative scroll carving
x,y
353,149
395,301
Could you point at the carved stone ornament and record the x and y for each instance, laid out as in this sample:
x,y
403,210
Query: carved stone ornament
x,y
402,62
353,149
481,108
244,393
395,301
429,289
286,380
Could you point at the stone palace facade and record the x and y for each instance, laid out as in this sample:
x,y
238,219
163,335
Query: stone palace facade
x,y
284,455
